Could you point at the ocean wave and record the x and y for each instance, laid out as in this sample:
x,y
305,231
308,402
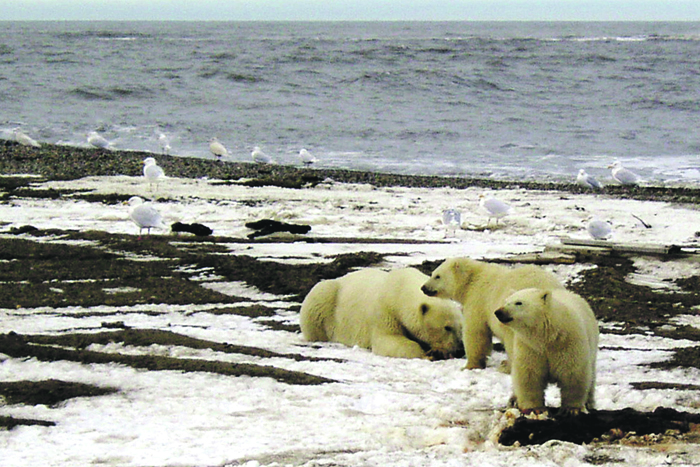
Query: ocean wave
x,y
110,94
236,77
685,105
406,92
102,34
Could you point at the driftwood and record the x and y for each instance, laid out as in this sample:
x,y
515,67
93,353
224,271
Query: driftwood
x,y
598,425
268,226
603,247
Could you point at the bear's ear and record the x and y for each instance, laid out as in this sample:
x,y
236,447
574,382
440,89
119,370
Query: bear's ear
x,y
424,309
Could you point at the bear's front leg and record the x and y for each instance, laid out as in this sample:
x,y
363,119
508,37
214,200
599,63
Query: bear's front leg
x,y
575,393
529,375
397,346
477,344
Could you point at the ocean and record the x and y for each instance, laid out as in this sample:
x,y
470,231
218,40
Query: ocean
x,y
507,100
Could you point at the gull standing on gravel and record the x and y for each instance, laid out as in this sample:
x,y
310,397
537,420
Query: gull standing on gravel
x,y
152,172
587,181
260,157
599,229
164,143
622,175
218,149
24,139
144,215
97,140
495,208
452,220
306,157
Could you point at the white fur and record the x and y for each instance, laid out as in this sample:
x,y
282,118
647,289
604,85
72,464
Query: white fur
x,y
382,311
555,341
482,288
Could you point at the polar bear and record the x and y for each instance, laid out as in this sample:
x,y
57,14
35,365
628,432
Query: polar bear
x,y
555,340
385,312
481,288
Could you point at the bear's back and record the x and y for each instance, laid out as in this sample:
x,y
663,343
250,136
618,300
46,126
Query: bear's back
x,y
529,276
523,277
403,285
357,298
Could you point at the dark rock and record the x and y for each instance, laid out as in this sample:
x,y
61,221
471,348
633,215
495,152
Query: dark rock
x,y
268,226
23,229
199,230
585,428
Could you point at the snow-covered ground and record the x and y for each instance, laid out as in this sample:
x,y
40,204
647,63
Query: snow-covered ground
x,y
383,411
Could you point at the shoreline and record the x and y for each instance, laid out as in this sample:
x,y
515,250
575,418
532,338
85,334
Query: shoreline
x,y
70,162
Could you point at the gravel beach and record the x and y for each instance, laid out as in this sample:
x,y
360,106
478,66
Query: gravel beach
x,y
108,337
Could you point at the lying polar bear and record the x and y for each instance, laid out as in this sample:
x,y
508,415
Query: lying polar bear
x,y
385,312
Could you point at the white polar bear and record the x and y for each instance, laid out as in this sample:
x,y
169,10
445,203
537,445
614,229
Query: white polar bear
x,y
555,341
385,312
482,288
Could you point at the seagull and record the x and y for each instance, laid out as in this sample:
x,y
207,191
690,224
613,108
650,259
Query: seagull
x,y
587,181
598,229
24,139
144,215
218,149
152,171
306,157
495,208
452,220
260,157
622,175
164,143
98,141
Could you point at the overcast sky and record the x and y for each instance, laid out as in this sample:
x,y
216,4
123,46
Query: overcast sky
x,y
625,10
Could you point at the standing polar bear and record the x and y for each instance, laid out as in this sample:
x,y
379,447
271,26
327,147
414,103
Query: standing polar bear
x,y
482,288
555,341
385,312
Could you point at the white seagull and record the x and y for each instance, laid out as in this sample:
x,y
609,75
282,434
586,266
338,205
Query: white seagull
x,y
452,220
260,157
306,157
152,172
24,139
144,215
164,143
622,175
218,149
495,208
587,181
97,140
599,229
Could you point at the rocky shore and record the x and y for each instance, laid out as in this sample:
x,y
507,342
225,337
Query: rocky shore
x,y
67,162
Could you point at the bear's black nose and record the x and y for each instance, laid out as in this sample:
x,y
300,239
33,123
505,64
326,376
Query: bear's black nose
x,y
429,292
503,317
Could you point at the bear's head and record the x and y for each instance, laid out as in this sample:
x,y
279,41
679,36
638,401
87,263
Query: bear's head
x,y
524,308
439,328
448,278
